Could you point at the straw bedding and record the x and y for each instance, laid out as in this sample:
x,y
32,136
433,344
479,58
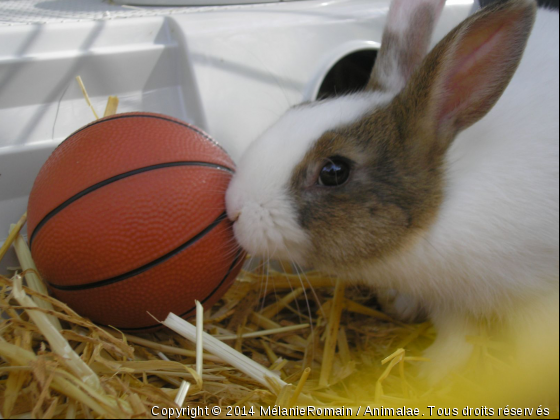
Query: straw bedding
x,y
323,343
292,328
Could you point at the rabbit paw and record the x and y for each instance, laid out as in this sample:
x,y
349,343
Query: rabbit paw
x,y
401,306
450,351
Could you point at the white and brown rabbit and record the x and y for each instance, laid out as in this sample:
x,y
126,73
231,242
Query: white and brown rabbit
x,y
440,181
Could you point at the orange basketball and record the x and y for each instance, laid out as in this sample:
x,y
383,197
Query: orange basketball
x,y
127,216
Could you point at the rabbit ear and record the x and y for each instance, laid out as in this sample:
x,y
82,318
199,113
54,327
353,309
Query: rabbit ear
x,y
406,39
467,72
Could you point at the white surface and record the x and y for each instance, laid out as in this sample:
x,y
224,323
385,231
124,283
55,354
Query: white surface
x,y
231,70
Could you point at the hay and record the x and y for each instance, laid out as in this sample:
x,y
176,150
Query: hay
x,y
118,375
86,371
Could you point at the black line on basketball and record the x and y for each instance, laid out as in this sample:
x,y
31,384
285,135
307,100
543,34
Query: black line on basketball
x,y
233,264
146,267
108,181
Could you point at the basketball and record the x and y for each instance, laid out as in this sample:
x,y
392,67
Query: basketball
x,y
127,218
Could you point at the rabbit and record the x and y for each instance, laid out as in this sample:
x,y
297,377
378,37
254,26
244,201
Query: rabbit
x,y
440,181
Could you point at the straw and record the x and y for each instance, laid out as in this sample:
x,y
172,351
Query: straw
x,y
86,96
14,231
32,276
229,355
56,340
112,105
199,337
332,334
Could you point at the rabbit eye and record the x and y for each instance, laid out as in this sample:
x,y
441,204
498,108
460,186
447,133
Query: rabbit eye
x,y
335,172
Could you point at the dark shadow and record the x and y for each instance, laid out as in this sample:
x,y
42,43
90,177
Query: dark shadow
x,y
73,6
57,91
554,4
350,74
8,76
